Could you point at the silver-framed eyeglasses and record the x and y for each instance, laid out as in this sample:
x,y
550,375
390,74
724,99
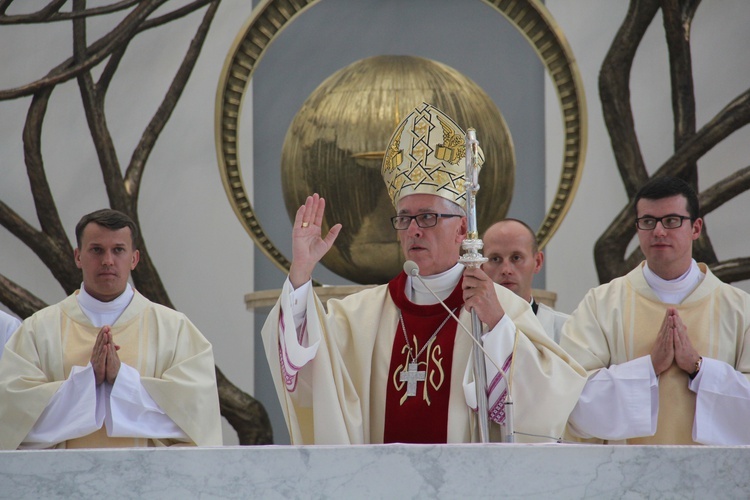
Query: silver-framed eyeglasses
x,y
671,221
427,219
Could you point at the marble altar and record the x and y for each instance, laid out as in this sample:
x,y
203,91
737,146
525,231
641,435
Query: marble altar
x,y
557,471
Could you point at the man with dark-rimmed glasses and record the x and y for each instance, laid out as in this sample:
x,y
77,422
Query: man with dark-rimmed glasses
x,y
666,345
389,364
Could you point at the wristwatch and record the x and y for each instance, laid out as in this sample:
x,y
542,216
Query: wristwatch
x,y
697,367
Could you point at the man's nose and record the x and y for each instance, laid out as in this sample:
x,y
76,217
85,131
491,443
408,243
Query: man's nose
x,y
108,258
659,228
413,228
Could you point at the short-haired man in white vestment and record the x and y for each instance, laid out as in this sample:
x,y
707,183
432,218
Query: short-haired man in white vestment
x,y
666,346
389,364
513,258
106,367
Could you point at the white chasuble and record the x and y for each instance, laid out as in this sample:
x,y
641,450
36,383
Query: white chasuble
x,y
332,381
613,331
174,362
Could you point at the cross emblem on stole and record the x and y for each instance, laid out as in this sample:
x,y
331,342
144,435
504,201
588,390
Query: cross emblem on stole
x,y
411,377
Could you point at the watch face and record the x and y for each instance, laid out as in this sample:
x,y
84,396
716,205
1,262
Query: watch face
x,y
697,367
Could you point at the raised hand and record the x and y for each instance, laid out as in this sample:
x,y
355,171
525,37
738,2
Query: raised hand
x,y
479,295
308,247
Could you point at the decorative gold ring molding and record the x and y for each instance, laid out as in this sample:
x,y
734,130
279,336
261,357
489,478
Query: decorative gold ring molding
x,y
270,17
536,24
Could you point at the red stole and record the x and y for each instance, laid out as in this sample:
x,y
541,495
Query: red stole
x,y
422,418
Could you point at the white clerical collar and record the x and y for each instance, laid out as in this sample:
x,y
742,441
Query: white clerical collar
x,y
104,313
442,284
674,291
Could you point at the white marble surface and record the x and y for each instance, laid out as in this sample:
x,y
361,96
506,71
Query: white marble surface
x,y
385,471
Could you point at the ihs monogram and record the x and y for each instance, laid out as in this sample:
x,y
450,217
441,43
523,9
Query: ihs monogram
x,y
430,372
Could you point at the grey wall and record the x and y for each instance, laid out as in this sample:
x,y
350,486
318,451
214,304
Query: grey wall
x,y
469,36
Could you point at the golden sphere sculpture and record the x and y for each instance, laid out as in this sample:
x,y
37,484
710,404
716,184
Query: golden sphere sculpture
x,y
335,146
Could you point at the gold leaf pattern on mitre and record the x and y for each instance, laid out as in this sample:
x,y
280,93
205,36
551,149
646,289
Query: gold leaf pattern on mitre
x,y
394,155
417,175
423,159
441,178
453,148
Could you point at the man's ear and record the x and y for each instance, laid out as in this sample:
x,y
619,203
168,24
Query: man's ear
x,y
136,259
463,229
697,227
77,257
538,262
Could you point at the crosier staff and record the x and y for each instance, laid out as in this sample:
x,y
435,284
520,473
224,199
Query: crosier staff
x,y
473,258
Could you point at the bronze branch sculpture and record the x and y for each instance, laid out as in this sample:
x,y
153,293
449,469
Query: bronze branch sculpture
x,y
50,243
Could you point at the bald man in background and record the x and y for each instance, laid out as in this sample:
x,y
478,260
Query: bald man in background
x,y
514,259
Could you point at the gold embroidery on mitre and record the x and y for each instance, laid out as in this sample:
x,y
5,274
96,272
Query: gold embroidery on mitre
x,y
429,147
418,175
442,178
453,148
394,155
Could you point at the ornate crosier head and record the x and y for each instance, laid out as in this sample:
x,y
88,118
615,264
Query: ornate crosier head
x,y
426,155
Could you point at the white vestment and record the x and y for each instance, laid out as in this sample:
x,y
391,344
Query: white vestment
x,y
165,392
611,334
332,379
552,321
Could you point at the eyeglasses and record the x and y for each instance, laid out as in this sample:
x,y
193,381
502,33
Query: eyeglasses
x,y
667,222
402,222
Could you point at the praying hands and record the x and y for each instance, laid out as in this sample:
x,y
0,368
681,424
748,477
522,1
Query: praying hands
x,y
673,345
104,357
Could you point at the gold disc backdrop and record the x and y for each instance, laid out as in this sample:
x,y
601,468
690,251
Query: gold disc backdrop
x,y
336,142
530,17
